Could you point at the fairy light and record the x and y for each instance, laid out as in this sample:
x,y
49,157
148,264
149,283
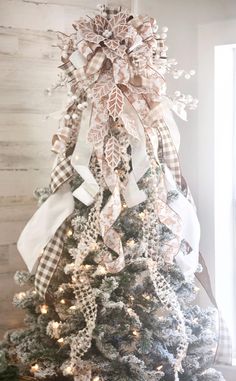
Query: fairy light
x,y
62,301
159,367
68,370
142,216
60,289
72,308
34,368
147,297
96,378
131,298
21,295
69,233
55,325
44,309
61,340
130,243
135,333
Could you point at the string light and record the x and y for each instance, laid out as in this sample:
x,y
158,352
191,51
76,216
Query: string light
x,y
142,216
61,340
130,243
69,233
72,308
34,368
62,301
132,298
147,297
159,367
55,325
68,370
60,289
135,333
44,309
96,378
21,295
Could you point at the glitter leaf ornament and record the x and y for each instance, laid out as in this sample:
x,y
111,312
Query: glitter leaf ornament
x,y
115,102
129,125
112,152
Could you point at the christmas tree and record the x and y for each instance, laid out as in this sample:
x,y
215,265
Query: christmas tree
x,y
113,248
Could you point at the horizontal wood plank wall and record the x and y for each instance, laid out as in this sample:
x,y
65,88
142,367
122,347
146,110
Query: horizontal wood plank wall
x,y
28,65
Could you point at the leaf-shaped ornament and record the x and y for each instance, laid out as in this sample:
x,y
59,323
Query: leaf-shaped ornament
x,y
112,152
115,102
129,125
120,31
97,133
118,19
100,24
101,89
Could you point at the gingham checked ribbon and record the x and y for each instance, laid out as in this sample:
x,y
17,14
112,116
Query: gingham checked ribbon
x,y
168,152
82,73
49,261
61,173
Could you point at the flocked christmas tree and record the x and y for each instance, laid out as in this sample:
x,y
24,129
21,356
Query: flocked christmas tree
x,y
113,248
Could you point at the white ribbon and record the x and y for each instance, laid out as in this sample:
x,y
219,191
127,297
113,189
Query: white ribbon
x,y
140,163
190,227
44,224
80,161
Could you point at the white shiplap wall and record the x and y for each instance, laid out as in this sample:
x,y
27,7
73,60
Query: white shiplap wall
x,y
28,65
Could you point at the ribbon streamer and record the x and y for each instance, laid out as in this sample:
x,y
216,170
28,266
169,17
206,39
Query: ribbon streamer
x,y
80,161
44,224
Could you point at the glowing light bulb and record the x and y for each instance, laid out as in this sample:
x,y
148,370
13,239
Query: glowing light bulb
x,y
61,340
55,325
34,368
96,378
44,309
131,243
68,370
142,215
62,301
159,367
69,233
135,333
60,289
72,308
131,298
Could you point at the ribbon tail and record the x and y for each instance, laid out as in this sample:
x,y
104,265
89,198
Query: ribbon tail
x,y
190,227
43,225
80,161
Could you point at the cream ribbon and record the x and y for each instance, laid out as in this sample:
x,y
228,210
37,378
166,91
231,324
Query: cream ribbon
x,y
43,225
80,161
140,163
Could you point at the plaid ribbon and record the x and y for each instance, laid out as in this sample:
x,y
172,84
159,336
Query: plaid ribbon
x,y
61,173
82,74
167,152
49,261
224,349
94,65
